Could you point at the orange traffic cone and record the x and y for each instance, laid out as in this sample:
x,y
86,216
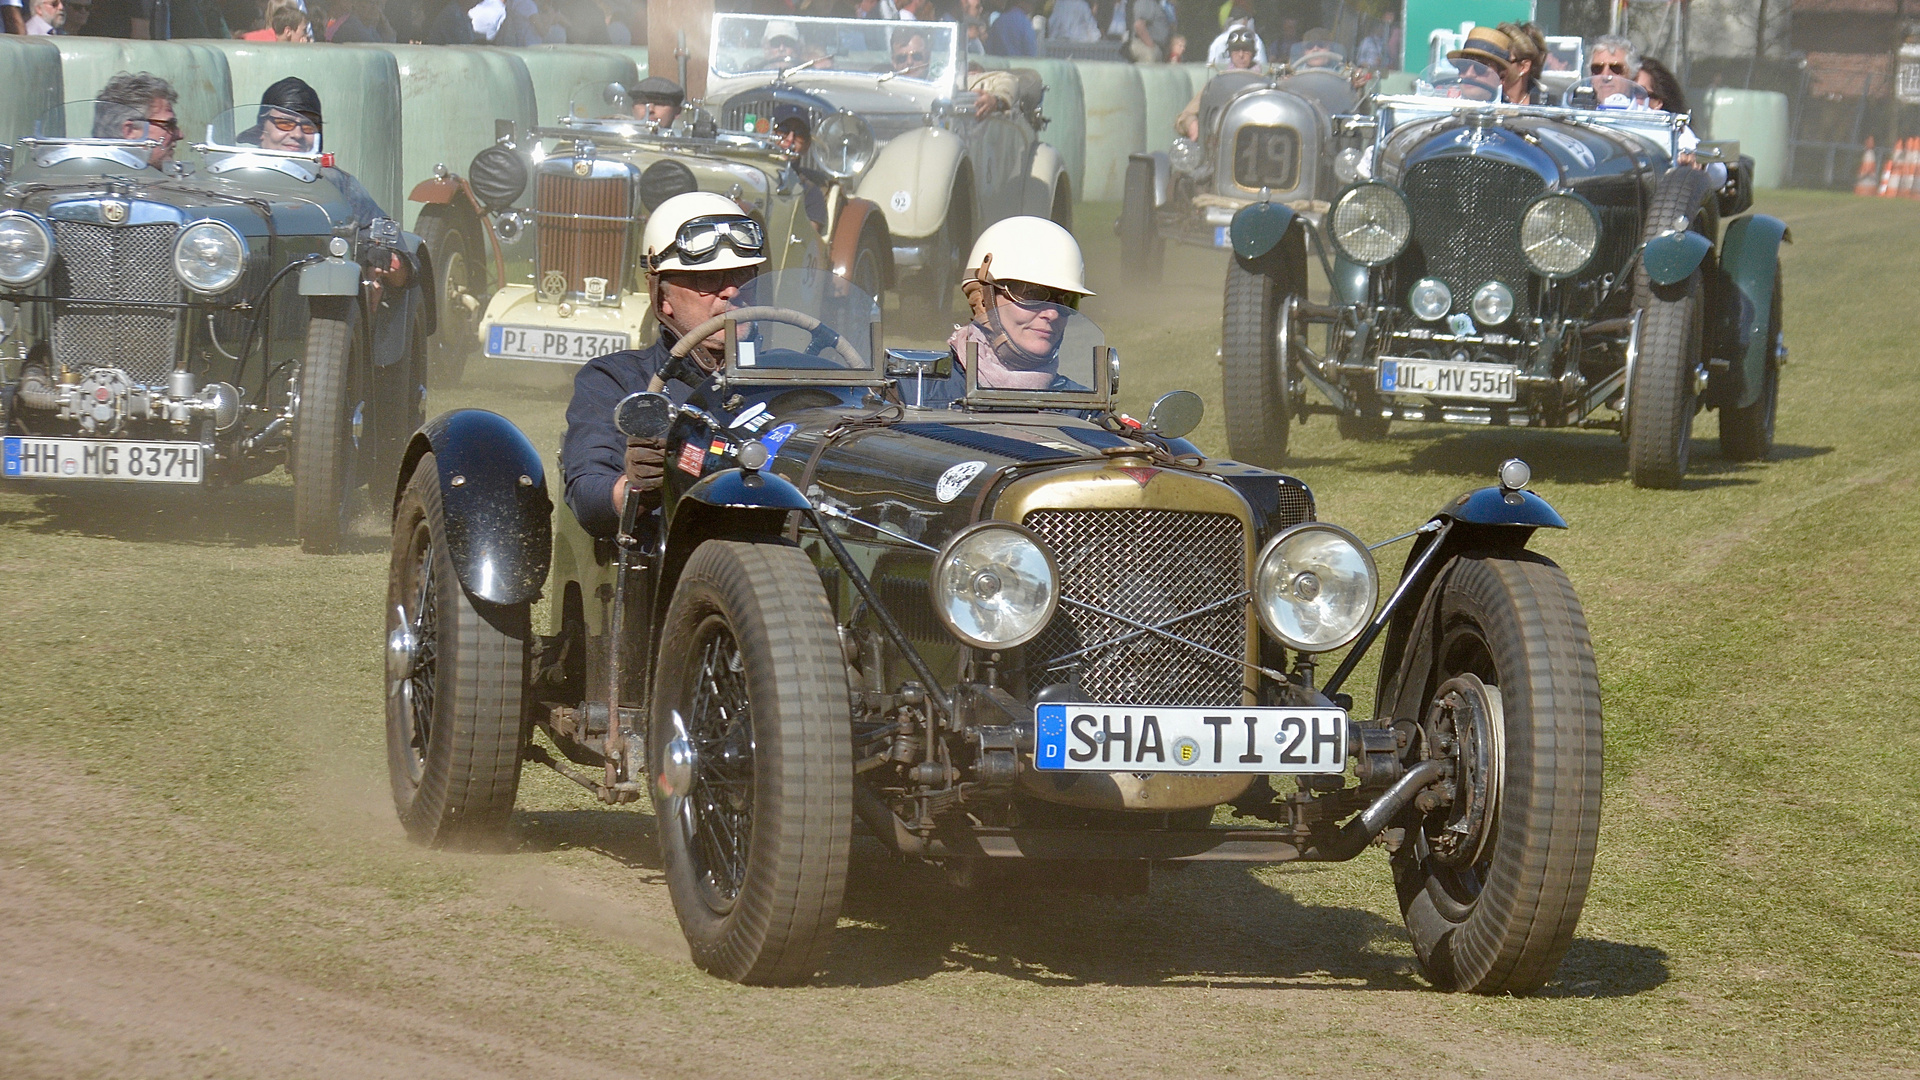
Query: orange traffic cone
x,y
1903,176
1910,184
1890,175
1868,181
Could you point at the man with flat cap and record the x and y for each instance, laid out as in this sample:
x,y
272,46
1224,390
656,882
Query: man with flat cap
x,y
659,99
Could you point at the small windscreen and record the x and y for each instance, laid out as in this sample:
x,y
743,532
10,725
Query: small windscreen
x,y
1461,79
922,52
1047,349
785,342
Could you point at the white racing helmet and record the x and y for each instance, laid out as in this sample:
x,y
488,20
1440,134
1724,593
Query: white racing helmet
x,y
1030,249
702,230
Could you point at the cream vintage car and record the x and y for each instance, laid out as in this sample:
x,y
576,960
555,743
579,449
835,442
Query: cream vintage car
x,y
569,203
897,118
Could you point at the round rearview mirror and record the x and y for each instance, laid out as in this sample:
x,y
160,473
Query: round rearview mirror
x,y
644,416
1176,414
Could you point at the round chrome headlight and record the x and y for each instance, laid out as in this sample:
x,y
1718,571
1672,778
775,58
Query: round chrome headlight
x,y
1559,234
994,585
1186,155
26,249
843,145
1314,587
1492,303
209,256
1370,223
1430,299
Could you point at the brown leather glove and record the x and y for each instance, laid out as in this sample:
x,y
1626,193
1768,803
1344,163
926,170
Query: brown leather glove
x,y
646,464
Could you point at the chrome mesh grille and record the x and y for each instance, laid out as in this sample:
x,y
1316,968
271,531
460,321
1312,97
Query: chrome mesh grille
x,y
1466,218
1149,566
131,263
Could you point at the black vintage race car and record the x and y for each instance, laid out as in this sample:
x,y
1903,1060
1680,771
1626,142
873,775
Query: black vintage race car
x,y
1516,265
991,627
202,322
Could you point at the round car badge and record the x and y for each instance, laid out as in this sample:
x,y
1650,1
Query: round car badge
x,y
900,201
582,167
1185,750
115,212
955,480
553,284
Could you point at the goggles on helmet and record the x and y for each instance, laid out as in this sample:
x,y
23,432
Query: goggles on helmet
x,y
701,238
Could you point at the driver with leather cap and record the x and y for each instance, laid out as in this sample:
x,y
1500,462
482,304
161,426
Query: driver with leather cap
x,y
699,249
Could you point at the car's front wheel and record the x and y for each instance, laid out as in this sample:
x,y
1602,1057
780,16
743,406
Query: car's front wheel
x,y
1493,868
456,683
330,428
1746,433
751,703
458,290
1256,339
1142,251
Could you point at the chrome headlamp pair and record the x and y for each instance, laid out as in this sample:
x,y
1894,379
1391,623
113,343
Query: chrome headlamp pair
x,y
1371,224
996,586
208,256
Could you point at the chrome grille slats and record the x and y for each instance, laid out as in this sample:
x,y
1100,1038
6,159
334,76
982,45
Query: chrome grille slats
x,y
1466,219
1150,566
130,263
582,229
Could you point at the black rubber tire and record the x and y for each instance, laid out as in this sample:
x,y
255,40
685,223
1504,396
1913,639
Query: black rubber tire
x,y
1661,401
330,428
1253,375
452,237
768,918
1746,434
1503,925
453,782
869,269
1143,253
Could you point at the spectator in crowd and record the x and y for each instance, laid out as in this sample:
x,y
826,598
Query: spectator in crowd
x,y
1376,49
448,24
1218,53
487,17
78,12
874,9
13,17
1177,49
362,21
1615,55
48,17
916,10
1012,33
285,22
1072,20
138,106
1521,82
975,29
659,99
1663,87
1152,30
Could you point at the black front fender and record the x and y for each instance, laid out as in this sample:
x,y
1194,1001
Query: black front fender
x,y
1488,519
493,492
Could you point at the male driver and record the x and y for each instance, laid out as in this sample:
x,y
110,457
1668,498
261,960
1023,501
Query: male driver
x,y
912,58
698,250
1615,55
659,99
1242,48
138,107
795,135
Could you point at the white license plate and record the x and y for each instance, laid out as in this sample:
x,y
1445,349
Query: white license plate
x,y
553,346
29,458
1151,738
1445,378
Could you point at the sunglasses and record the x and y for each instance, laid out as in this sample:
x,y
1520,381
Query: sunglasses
x,y
1029,295
1617,68
288,123
713,282
910,57
700,239
171,127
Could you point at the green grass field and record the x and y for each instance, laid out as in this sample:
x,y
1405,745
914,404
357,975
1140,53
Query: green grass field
x,y
195,758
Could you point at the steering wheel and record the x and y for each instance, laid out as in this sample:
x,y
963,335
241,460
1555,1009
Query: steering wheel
x,y
788,316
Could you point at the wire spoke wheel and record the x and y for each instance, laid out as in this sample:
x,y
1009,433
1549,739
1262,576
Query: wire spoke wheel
x,y
751,676
456,683
717,815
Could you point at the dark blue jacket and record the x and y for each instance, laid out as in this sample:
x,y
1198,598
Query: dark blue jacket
x,y
594,453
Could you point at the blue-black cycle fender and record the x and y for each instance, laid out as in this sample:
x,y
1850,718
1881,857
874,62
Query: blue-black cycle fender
x,y
497,516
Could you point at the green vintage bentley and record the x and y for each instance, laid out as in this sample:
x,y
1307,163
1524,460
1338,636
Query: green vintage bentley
x,y
539,240
991,628
202,322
